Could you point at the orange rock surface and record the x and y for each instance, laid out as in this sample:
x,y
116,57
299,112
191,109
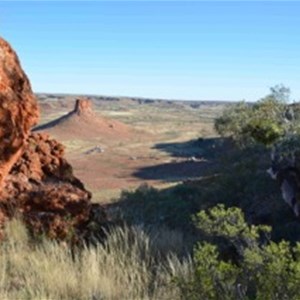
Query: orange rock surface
x,y
18,109
42,188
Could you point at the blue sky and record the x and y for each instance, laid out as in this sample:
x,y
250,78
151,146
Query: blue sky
x,y
176,50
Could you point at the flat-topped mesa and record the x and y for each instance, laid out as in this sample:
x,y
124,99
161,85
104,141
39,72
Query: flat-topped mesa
x,y
83,107
18,109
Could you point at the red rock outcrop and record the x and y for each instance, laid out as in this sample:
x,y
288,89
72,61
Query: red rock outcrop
x,y
18,109
83,123
83,107
37,183
42,189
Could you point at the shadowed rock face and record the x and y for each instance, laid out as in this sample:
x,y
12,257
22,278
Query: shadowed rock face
x,y
37,183
18,109
42,188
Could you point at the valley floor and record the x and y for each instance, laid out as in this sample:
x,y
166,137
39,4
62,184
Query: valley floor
x,y
161,152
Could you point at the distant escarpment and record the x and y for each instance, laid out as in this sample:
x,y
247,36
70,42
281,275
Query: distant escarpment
x,y
36,182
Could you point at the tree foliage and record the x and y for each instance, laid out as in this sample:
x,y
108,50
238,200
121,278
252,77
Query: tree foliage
x,y
266,122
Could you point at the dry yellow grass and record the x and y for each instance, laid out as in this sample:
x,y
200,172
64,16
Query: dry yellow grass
x,y
127,266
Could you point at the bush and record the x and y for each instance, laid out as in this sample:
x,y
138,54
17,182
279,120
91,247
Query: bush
x,y
148,206
264,270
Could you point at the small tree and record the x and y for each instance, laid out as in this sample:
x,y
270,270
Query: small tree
x,y
280,93
270,121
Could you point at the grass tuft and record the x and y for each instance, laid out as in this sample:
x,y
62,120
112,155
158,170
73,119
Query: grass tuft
x,y
127,266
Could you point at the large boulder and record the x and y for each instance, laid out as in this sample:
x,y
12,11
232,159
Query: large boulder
x,y
18,109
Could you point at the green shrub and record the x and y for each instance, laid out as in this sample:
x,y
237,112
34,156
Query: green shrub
x,y
213,278
266,132
230,223
149,206
264,270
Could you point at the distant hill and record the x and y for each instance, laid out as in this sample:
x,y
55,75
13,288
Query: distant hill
x,y
84,123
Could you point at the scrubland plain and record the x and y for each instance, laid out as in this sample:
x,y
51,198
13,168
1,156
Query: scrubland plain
x,y
155,145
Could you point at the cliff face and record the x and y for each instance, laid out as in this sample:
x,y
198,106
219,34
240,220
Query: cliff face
x,y
37,183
